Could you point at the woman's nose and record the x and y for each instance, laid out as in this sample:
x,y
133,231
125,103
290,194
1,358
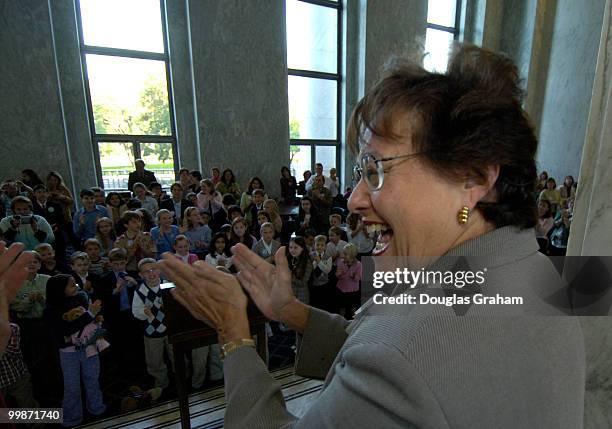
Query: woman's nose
x,y
359,201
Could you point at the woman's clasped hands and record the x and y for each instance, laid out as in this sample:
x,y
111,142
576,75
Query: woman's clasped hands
x,y
218,298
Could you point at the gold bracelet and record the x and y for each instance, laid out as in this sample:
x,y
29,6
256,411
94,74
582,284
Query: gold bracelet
x,y
233,345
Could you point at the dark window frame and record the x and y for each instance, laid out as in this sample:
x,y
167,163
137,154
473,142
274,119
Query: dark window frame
x,y
454,30
135,139
337,142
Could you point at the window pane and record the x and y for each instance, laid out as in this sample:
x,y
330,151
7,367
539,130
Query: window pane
x,y
129,96
133,24
158,159
326,155
300,161
117,161
437,47
442,12
312,37
312,108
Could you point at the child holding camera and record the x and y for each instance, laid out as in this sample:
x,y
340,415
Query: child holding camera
x,y
24,227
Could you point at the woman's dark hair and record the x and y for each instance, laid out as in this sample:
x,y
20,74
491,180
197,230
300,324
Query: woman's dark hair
x,y
250,187
213,249
34,178
114,194
232,179
463,121
299,268
285,168
55,290
548,210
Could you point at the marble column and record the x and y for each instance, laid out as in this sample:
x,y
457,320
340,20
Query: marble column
x,y
181,67
353,86
72,90
31,123
240,80
591,233
567,85
393,28
376,32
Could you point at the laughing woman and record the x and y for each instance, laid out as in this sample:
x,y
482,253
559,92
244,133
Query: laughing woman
x,y
446,167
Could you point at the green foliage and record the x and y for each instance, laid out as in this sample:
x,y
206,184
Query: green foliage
x,y
101,118
155,118
293,151
162,151
152,119
294,129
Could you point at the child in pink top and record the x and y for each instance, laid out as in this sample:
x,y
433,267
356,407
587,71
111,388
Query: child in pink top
x,y
181,249
349,276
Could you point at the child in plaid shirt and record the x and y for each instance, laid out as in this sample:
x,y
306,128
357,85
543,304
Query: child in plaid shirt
x,y
15,380
147,306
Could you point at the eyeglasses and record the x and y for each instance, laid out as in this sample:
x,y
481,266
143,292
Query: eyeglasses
x,y
372,170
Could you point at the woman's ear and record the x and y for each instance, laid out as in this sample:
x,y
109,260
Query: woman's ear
x,y
482,190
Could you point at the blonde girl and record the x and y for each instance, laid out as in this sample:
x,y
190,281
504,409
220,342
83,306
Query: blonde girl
x,y
271,207
349,273
105,233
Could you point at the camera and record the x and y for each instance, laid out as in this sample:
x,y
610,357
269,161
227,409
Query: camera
x,y
25,220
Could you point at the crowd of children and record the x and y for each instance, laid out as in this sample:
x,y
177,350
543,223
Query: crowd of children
x,y
555,213
94,281
94,284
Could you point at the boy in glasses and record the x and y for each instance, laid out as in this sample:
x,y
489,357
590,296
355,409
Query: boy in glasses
x,y
147,306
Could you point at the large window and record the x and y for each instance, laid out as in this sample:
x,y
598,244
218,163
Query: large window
x,y
314,61
126,68
442,28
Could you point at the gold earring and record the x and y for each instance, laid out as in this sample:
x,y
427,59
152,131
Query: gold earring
x,y
463,215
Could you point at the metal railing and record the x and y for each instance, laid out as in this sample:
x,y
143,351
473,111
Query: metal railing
x,y
114,179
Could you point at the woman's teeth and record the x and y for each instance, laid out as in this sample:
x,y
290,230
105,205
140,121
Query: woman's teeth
x,y
382,233
376,228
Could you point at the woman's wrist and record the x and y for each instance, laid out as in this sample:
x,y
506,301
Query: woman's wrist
x,y
295,315
235,327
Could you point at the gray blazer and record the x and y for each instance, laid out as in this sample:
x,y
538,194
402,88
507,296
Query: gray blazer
x,y
422,366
